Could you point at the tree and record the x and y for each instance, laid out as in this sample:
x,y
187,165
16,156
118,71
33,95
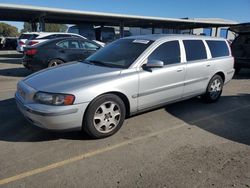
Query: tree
x,y
26,27
55,27
49,27
7,30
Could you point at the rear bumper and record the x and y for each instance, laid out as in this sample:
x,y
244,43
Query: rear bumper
x,y
53,117
33,63
229,76
19,49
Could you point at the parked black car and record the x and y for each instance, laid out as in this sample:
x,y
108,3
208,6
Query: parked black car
x,y
58,51
241,46
8,43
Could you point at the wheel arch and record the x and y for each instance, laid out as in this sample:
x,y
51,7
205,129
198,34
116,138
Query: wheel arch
x,y
221,74
121,95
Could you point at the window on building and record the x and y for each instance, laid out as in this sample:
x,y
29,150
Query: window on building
x,y
223,33
207,31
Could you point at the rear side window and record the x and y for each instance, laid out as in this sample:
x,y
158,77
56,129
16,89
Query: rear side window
x,y
195,50
218,48
168,52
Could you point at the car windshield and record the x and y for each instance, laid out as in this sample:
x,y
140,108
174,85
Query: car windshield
x,y
121,53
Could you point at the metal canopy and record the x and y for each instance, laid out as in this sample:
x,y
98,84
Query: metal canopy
x,y
26,13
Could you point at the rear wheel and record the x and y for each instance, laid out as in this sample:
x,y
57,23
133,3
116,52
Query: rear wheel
x,y
214,89
55,62
104,116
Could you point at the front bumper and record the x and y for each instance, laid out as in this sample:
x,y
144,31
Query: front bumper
x,y
53,117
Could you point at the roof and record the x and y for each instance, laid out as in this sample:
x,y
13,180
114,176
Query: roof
x,y
13,12
155,37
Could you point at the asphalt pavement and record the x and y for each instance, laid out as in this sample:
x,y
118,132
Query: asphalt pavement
x,y
186,144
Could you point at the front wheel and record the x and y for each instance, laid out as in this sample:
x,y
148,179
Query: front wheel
x,y
104,116
214,89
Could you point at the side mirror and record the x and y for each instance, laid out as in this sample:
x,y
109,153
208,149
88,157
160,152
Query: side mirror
x,y
153,63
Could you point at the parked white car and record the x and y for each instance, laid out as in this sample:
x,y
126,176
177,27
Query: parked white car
x,y
21,41
33,38
44,36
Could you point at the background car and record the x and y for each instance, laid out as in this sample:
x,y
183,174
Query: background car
x,y
44,36
57,51
9,43
241,46
23,38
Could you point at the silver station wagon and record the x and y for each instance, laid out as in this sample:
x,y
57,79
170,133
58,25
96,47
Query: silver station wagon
x,y
127,76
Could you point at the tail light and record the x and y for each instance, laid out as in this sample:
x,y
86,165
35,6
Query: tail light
x,y
229,47
21,43
230,51
32,43
30,52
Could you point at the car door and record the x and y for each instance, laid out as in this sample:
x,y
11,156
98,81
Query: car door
x,y
161,85
88,48
197,69
69,50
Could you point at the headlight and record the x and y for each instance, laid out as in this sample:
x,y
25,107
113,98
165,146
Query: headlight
x,y
54,98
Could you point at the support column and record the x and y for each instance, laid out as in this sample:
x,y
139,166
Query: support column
x,y
121,29
216,31
41,24
33,26
153,30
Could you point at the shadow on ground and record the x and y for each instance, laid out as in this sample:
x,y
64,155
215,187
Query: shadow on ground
x,y
15,128
15,72
228,118
17,61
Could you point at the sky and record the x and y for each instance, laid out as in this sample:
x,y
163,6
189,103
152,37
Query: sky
x,y
227,9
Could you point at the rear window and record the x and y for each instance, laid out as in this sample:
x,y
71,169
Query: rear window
x,y
28,36
195,50
218,48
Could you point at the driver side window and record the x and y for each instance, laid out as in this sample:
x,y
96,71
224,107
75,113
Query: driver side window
x,y
168,52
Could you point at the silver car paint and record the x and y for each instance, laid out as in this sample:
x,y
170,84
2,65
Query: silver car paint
x,y
142,88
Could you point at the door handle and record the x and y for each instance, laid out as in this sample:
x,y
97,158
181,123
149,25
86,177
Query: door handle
x,y
180,70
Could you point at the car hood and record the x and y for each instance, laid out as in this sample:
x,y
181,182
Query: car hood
x,y
70,76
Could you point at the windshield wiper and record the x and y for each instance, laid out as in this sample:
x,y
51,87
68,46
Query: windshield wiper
x,y
100,63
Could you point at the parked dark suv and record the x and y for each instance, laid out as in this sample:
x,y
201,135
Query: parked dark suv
x,y
241,46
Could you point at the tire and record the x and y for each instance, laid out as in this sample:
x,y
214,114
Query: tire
x,y
104,116
214,89
55,62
